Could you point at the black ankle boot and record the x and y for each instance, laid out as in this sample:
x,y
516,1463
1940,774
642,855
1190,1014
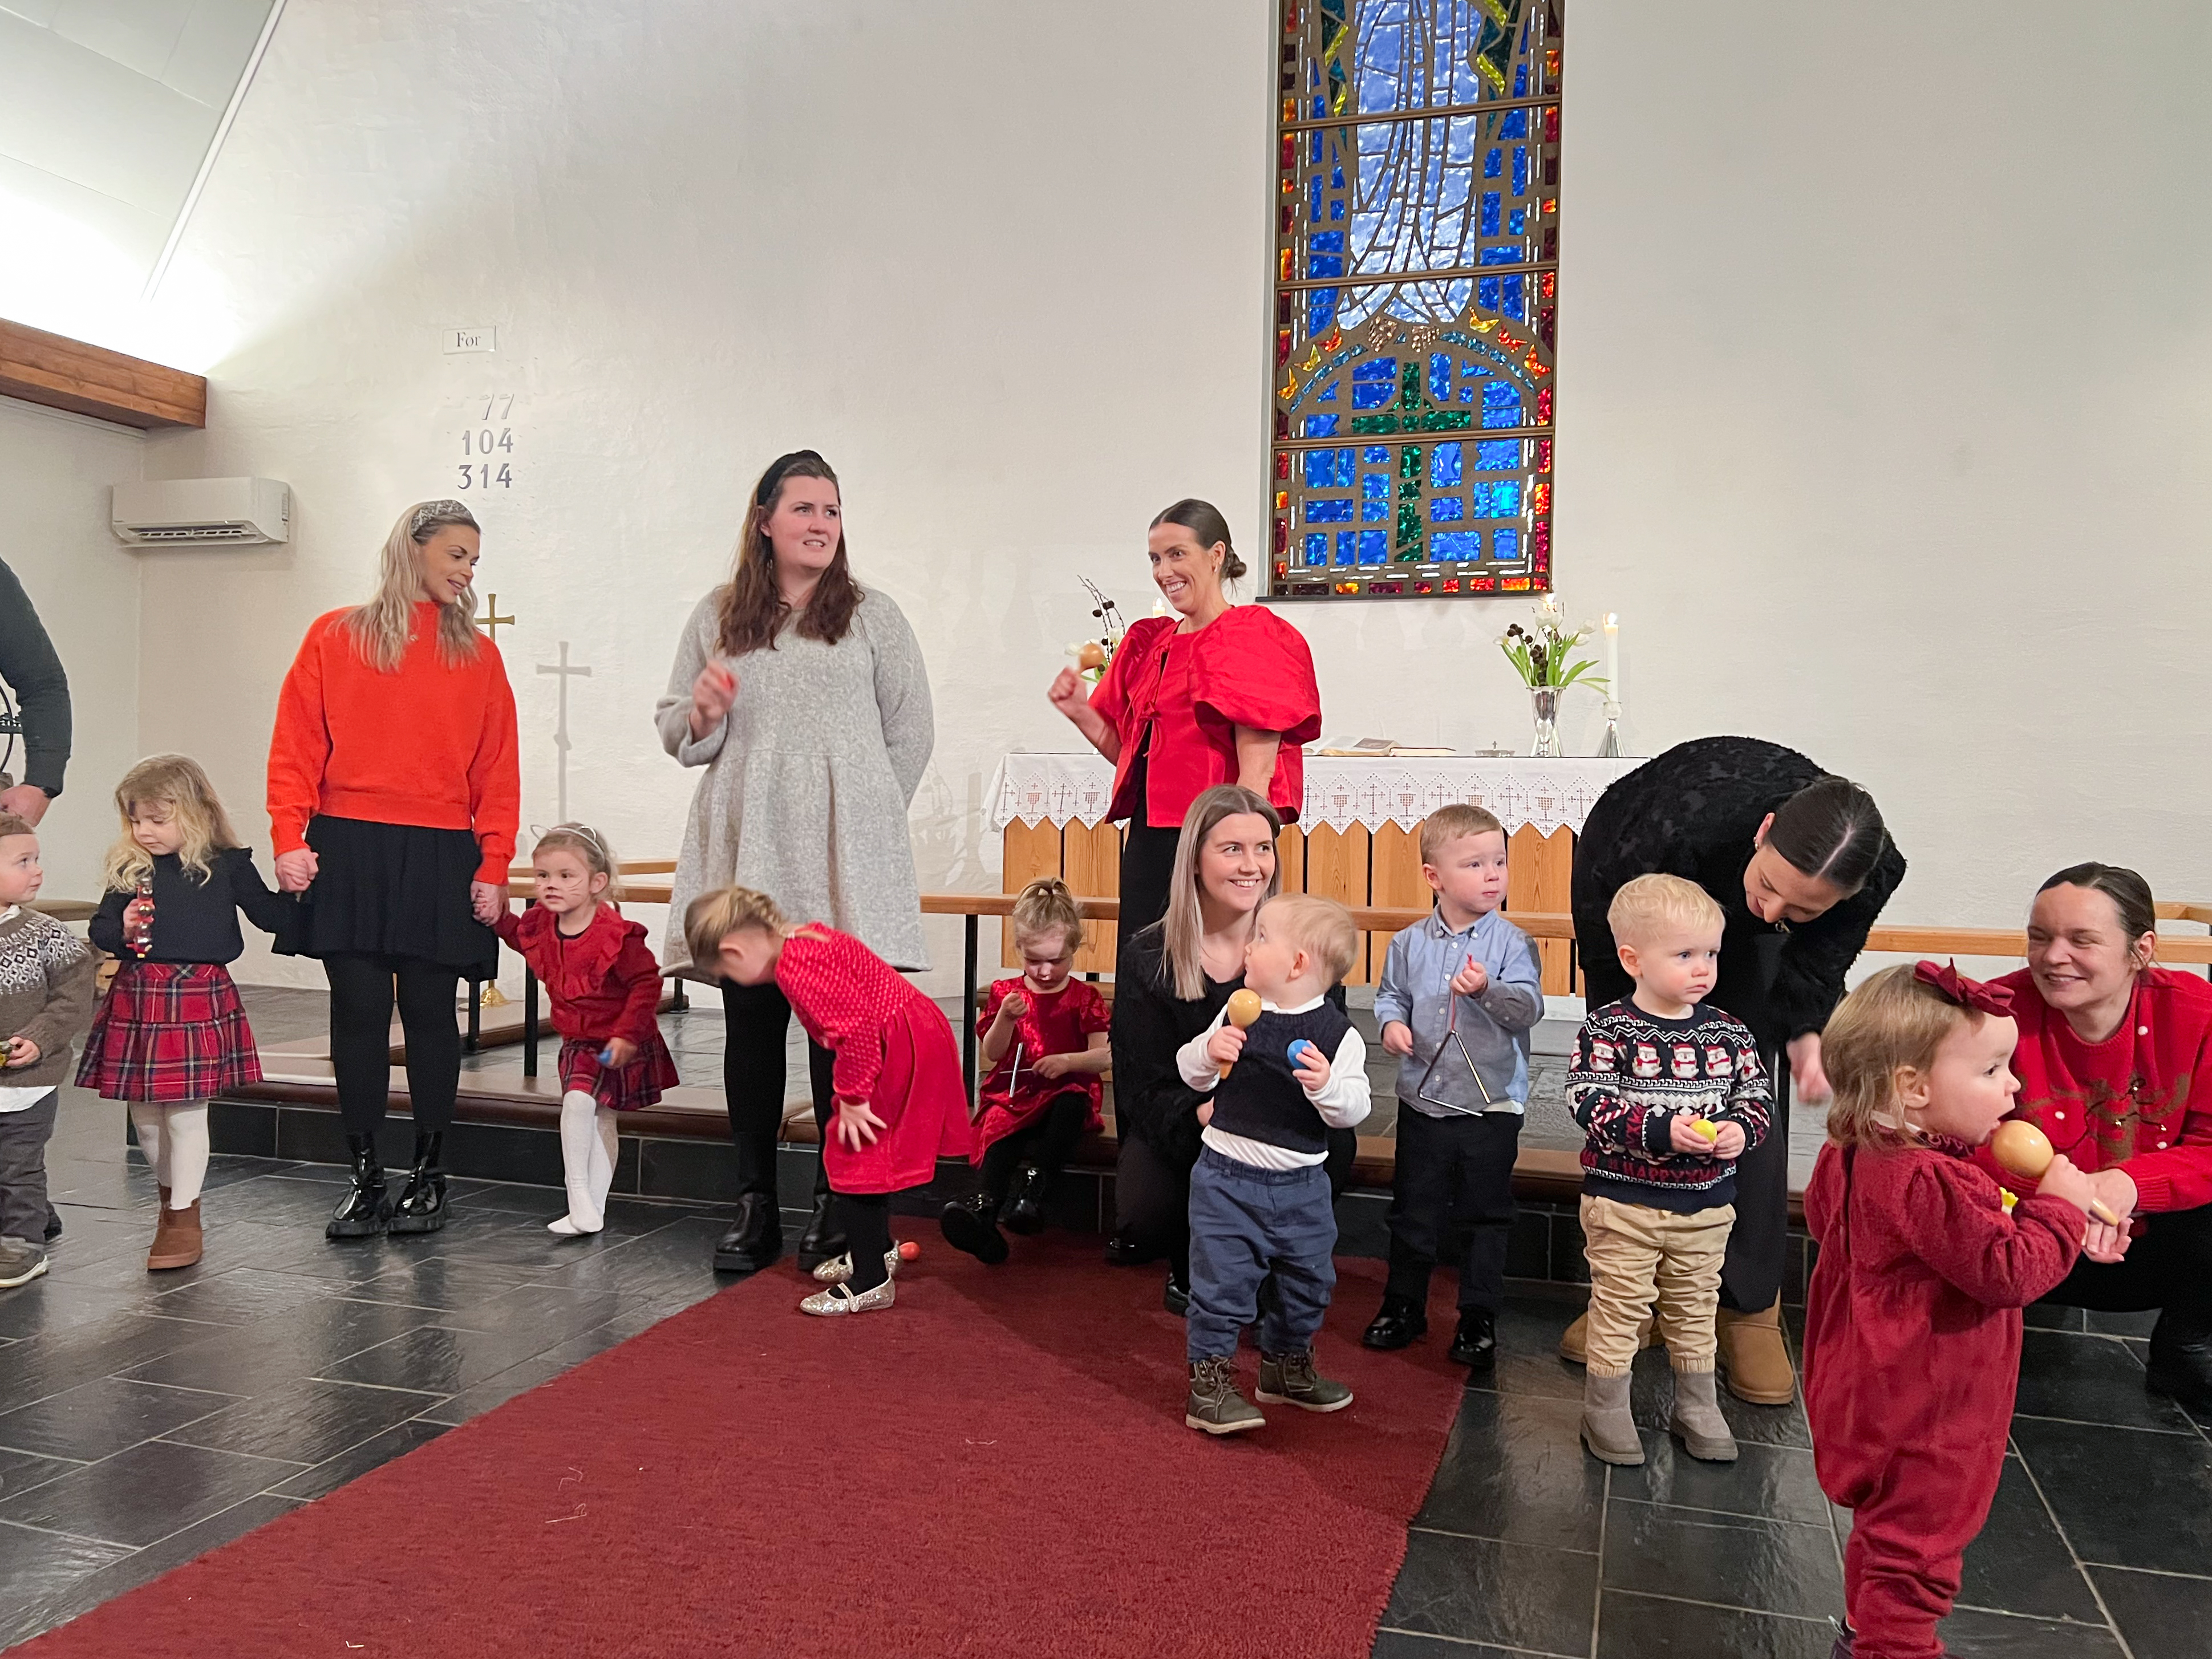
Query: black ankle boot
x,y
1398,1325
1024,1211
822,1238
1175,1299
755,1240
969,1223
2179,1363
422,1207
363,1211
1476,1342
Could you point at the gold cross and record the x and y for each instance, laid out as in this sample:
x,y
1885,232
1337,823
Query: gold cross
x,y
494,621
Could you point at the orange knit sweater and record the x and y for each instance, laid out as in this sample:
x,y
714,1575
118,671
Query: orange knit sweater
x,y
427,744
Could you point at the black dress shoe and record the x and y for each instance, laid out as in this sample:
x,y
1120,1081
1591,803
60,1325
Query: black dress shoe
x,y
1122,1251
422,1207
2179,1363
970,1224
1397,1326
755,1239
363,1211
1176,1298
53,1223
822,1238
1024,1211
1476,1342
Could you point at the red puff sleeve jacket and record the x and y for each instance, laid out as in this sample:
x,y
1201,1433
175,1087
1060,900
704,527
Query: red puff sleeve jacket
x,y
603,983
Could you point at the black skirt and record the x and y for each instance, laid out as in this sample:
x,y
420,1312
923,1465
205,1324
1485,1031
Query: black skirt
x,y
393,889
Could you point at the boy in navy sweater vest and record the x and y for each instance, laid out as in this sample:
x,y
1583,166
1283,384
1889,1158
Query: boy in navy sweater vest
x,y
1260,1196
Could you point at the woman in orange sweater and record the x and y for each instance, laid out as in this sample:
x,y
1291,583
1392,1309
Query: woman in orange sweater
x,y
393,793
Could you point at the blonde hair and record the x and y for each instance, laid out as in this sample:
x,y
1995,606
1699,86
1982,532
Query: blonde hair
x,y
1893,1021
381,628
177,782
1448,824
587,844
1182,929
1045,905
1320,926
1649,903
713,917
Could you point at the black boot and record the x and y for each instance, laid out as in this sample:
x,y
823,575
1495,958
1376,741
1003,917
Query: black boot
x,y
1476,1342
755,1239
1401,1321
1024,1211
969,1225
363,1211
2180,1360
1177,1298
422,1207
1122,1251
822,1238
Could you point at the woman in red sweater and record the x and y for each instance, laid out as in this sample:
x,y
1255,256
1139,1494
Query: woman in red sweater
x,y
1217,693
2115,1065
393,793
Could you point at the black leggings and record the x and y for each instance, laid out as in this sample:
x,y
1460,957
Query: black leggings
x,y
1047,1140
867,1219
361,1038
756,1020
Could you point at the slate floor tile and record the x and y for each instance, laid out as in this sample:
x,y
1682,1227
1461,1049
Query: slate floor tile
x,y
438,1359
1971,1635
1631,1627
240,1296
308,1422
144,1494
2123,1495
2161,1617
1697,1555
1776,1482
2019,1563
2089,1379
1515,1596
1405,1644
278,1352
1514,1470
100,1418
355,1461
35,1564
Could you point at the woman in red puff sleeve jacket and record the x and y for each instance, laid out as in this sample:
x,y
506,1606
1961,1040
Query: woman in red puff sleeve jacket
x,y
1217,693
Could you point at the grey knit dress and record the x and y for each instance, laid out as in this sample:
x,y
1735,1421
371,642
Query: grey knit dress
x,y
808,778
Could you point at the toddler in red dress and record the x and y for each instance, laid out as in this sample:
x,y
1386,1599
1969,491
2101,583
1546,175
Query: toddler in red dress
x,y
1043,1036
902,1101
1912,1322
604,987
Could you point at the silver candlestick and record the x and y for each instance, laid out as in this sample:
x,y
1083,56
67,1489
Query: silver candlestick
x,y
1610,748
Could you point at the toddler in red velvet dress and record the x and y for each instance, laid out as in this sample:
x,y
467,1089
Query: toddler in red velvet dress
x,y
1043,1036
1912,1322
902,1101
604,987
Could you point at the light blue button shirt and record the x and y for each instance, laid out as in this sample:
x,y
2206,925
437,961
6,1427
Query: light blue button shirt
x,y
1493,1028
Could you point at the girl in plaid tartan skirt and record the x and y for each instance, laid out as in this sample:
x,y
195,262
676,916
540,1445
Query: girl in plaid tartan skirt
x,y
604,987
171,1032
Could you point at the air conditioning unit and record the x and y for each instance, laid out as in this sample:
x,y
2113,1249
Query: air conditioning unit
x,y
236,512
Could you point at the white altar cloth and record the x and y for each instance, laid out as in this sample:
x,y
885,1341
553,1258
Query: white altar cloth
x,y
1341,792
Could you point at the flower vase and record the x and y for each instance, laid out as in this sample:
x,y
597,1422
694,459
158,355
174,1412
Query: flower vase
x,y
1544,706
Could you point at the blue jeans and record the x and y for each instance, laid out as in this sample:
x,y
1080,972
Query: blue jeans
x,y
1243,1221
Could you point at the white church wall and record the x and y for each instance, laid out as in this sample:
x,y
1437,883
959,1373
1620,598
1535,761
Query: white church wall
x,y
55,471
1880,419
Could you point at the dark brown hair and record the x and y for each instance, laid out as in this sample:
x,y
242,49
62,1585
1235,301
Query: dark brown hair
x,y
1831,829
753,608
1204,521
2128,892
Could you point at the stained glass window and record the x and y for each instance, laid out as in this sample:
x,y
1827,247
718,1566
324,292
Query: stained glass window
x,y
1416,297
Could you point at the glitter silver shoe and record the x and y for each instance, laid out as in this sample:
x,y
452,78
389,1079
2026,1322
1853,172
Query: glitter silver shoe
x,y
840,1299
839,1268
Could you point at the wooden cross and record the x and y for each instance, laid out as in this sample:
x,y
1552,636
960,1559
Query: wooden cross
x,y
494,621
565,670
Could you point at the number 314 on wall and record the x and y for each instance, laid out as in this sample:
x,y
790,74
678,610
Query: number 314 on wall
x,y
494,443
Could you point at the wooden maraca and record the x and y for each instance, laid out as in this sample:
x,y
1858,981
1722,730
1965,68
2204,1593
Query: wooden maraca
x,y
1244,1009
2025,1150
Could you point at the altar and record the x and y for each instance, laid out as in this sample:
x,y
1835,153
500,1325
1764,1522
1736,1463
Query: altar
x,y
1357,839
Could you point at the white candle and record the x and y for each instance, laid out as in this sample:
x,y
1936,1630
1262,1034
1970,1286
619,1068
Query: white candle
x,y
1612,657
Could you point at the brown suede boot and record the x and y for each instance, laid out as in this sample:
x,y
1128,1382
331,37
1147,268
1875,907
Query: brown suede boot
x,y
177,1238
1573,1348
1753,1362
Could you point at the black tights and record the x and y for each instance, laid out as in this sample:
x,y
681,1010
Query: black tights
x,y
361,987
867,1219
755,1019
1047,1140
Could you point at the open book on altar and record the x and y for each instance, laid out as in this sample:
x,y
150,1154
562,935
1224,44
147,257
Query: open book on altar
x,y
1373,748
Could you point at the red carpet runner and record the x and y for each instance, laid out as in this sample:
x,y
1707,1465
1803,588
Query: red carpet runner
x,y
997,1467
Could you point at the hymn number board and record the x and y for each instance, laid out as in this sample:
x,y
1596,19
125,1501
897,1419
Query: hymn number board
x,y
1415,273
487,457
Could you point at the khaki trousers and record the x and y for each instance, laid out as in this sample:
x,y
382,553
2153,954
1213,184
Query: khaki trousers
x,y
1640,1256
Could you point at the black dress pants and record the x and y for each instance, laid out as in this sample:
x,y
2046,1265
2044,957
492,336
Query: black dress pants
x,y
1452,1199
756,1018
2169,1267
1048,1141
362,990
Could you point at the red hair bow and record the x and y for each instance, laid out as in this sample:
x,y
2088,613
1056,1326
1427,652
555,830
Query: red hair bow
x,y
1955,986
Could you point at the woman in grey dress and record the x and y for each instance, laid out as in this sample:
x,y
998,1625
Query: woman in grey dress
x,y
806,698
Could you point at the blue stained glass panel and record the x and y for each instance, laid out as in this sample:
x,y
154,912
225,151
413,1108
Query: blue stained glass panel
x,y
1504,544
1447,544
1519,167
1498,455
1516,304
1443,466
1501,404
1329,468
1440,370
1494,164
1490,208
1329,510
1500,256
1515,124
1316,549
1374,547
1516,224
1375,455
1446,509
1485,290
1347,546
1321,426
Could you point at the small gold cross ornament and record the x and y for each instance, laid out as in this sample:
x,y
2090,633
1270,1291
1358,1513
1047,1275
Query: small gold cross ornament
x,y
493,621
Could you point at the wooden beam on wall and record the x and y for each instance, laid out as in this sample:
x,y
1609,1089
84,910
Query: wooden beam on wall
x,y
89,379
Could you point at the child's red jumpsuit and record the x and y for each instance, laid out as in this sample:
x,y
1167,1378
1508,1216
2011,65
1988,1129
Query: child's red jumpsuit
x,y
1911,1360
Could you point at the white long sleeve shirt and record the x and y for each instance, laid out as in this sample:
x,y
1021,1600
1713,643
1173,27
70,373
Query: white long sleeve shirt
x,y
1343,1100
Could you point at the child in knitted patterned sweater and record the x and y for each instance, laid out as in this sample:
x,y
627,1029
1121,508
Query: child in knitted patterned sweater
x,y
1670,1092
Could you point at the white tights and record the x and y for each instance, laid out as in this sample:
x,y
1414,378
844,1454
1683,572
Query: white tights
x,y
587,1162
174,1135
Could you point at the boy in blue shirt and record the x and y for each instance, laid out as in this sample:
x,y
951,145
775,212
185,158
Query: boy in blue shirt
x,y
1459,995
